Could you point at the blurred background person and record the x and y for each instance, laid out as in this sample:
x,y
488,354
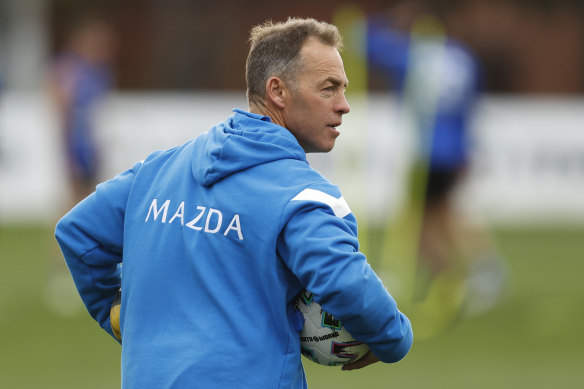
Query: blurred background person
x,y
79,79
438,81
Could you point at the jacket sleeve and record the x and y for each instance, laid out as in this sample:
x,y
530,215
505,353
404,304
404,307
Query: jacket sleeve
x,y
91,238
319,244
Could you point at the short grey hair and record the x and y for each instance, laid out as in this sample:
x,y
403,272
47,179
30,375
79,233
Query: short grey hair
x,y
275,51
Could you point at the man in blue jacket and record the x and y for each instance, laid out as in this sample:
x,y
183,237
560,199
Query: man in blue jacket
x,y
218,236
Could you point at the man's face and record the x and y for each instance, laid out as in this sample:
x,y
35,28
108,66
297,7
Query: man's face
x,y
317,101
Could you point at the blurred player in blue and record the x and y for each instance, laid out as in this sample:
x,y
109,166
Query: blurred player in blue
x,y
217,236
79,79
438,81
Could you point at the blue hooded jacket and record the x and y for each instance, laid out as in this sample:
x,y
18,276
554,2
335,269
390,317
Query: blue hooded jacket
x,y
217,237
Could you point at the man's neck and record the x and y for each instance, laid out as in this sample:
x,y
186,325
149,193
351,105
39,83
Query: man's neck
x,y
261,108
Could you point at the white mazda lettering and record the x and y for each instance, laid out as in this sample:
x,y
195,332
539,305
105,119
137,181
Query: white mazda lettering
x,y
205,219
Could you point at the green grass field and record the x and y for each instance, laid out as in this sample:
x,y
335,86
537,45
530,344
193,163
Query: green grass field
x,y
533,339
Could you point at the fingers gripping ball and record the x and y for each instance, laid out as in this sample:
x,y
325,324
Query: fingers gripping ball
x,y
323,339
115,315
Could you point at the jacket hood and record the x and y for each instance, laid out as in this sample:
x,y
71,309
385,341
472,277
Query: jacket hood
x,y
242,141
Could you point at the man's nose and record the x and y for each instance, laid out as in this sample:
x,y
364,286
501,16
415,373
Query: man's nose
x,y
343,106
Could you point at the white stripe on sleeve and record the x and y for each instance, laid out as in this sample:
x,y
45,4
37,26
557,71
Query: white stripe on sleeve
x,y
339,206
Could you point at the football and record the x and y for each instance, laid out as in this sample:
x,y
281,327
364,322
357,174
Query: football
x,y
323,339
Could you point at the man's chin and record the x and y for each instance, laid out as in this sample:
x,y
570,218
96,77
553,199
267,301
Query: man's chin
x,y
324,149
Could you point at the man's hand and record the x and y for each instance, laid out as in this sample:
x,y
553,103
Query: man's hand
x,y
367,360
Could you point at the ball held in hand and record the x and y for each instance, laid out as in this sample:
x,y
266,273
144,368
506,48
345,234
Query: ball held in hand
x,y
115,315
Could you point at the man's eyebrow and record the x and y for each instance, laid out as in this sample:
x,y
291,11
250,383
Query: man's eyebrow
x,y
336,81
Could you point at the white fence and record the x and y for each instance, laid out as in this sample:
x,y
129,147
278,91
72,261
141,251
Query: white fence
x,y
528,163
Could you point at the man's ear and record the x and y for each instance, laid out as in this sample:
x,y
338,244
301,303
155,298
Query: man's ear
x,y
276,91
